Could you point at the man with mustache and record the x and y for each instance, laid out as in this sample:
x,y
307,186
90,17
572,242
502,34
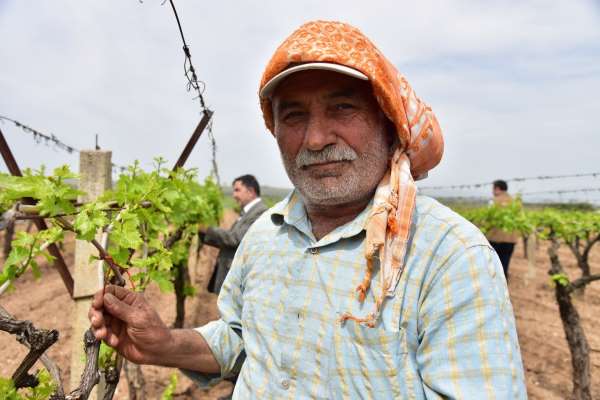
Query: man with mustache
x,y
354,286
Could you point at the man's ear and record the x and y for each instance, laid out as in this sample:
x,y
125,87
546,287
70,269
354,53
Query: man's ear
x,y
391,136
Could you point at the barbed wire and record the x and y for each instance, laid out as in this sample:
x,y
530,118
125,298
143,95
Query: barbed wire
x,y
118,168
561,191
52,140
193,83
530,178
188,67
40,137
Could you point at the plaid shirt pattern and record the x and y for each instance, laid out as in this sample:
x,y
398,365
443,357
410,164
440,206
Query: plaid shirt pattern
x,y
448,332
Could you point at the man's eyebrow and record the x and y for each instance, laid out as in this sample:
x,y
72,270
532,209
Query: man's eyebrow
x,y
287,104
347,93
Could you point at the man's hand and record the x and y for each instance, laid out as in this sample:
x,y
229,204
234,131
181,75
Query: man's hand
x,y
125,321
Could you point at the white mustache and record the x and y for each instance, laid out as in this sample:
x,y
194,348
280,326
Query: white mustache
x,y
331,153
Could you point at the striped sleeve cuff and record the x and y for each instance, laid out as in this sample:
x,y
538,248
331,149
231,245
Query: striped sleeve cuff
x,y
227,346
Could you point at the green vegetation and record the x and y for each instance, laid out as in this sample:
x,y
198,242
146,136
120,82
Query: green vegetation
x,y
41,392
577,229
142,211
170,389
151,217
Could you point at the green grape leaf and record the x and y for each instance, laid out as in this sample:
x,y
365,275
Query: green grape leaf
x,y
189,291
44,389
170,389
7,390
560,279
90,220
163,280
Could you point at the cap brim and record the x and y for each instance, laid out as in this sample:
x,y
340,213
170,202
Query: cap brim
x,y
269,88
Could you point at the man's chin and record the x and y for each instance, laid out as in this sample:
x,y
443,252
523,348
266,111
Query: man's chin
x,y
319,192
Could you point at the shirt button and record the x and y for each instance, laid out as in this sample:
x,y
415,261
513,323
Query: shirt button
x,y
314,250
285,384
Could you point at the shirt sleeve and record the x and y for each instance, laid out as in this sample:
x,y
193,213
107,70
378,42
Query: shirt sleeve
x,y
231,238
468,346
224,336
221,238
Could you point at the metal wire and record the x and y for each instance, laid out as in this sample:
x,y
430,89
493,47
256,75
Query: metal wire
x,y
530,178
198,86
39,137
561,191
52,140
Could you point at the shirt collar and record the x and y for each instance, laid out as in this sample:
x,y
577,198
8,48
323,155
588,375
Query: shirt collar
x,y
248,206
291,211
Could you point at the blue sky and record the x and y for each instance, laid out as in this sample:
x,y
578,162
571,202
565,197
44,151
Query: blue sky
x,y
514,84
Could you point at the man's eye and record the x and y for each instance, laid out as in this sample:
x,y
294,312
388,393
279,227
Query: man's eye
x,y
344,106
293,115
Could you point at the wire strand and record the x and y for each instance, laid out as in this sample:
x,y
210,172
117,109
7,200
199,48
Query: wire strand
x,y
39,137
52,140
530,178
198,86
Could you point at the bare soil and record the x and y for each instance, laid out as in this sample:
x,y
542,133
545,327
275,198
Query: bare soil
x,y
544,349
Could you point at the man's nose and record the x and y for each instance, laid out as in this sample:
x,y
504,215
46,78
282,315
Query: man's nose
x,y
319,133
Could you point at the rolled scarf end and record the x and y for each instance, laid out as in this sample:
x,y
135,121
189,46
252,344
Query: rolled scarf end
x,y
392,224
366,283
370,320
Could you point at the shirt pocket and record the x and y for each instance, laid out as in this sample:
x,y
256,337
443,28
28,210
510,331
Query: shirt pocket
x,y
367,362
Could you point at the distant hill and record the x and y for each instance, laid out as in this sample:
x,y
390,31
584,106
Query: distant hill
x,y
269,194
266,191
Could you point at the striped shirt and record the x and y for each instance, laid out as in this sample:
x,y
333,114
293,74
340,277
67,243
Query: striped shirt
x,y
449,331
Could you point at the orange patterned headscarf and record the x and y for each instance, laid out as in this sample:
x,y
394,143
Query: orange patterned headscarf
x,y
421,142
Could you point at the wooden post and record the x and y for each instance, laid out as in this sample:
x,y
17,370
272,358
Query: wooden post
x,y
95,177
531,246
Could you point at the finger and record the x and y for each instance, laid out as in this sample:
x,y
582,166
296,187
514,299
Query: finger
x,y
107,336
121,293
97,317
97,320
118,308
112,341
100,333
107,320
98,299
116,326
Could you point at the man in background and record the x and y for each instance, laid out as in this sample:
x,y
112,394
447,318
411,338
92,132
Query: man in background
x,y
503,242
246,192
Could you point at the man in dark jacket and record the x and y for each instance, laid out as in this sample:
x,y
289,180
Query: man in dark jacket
x,y
246,192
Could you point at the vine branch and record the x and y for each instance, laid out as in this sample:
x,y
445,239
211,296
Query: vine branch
x,y
581,282
37,340
102,253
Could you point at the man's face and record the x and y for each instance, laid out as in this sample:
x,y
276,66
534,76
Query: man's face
x,y
331,135
241,194
497,191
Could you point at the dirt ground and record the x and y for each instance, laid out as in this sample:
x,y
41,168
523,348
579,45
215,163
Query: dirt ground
x,y
543,346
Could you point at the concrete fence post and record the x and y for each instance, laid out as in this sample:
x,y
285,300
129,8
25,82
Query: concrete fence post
x,y
95,177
